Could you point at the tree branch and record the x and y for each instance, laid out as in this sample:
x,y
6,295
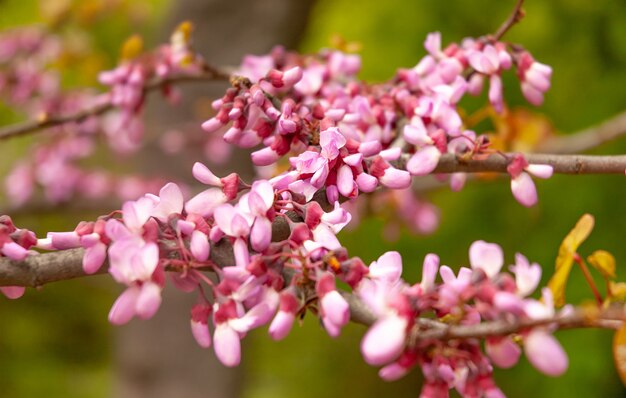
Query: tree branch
x,y
562,164
44,268
44,122
38,270
586,139
580,317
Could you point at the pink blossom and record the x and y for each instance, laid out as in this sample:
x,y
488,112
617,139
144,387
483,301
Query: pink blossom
x,y
141,300
486,256
534,77
545,353
13,292
424,161
524,189
285,317
429,272
388,267
384,340
169,201
199,245
334,308
227,345
503,351
527,276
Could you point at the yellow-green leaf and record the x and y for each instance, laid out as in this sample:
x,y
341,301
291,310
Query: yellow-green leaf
x,y
619,352
604,262
132,47
617,291
565,259
182,34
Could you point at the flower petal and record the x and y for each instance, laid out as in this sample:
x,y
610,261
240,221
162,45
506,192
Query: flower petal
x,y
486,256
384,341
545,353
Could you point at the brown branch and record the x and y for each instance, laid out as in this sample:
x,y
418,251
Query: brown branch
x,y
38,270
581,317
562,164
514,18
46,121
586,139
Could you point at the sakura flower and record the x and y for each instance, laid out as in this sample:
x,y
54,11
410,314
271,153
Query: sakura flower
x,y
199,245
423,161
429,272
141,300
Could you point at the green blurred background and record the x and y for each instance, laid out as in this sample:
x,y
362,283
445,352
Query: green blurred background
x,y
56,342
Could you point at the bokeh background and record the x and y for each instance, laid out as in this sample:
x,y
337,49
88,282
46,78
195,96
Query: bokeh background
x,y
56,342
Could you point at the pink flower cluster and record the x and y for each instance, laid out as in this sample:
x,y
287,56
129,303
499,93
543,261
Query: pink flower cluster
x,y
343,137
348,136
159,233
227,229
15,244
24,54
28,81
479,293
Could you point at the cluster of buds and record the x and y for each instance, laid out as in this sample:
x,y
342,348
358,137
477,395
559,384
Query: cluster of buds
x,y
24,57
477,294
264,278
15,243
344,137
129,80
55,164
348,136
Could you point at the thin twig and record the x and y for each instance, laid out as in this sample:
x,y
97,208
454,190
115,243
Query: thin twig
x,y
41,269
562,164
580,317
586,139
45,121
514,18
